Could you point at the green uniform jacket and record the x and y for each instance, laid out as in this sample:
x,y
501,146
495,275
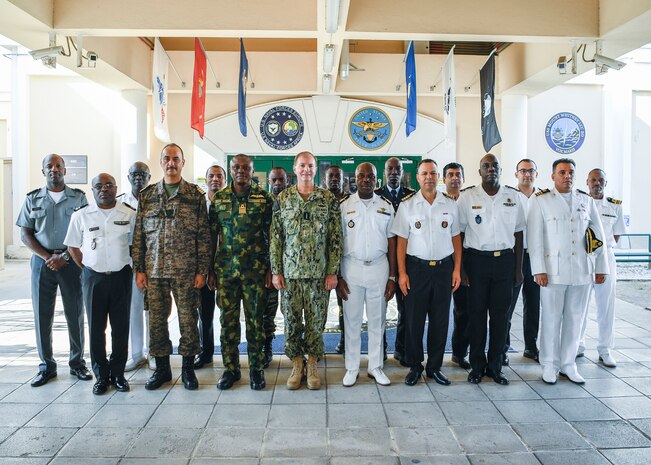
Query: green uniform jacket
x,y
305,235
241,227
172,237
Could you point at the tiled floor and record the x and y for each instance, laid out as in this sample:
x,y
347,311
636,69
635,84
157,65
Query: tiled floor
x,y
528,422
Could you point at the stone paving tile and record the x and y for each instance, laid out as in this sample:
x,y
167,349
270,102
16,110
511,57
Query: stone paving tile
x,y
611,434
425,441
18,414
457,392
165,442
630,407
643,425
628,456
84,461
472,413
527,411
282,395
362,394
18,374
36,442
82,393
218,461
204,395
26,394
359,442
230,442
100,442
415,415
156,461
363,461
7,388
24,461
517,390
477,439
293,442
582,409
138,395
122,416
561,390
6,431
550,436
297,416
356,415
227,415
435,460
574,457
518,458
400,392
643,385
181,416
246,395
610,388
64,415
296,461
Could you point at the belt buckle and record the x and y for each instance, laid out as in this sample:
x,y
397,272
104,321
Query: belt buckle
x,y
108,272
497,253
368,262
433,263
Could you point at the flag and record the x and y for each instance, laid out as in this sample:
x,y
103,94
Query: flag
x,y
198,108
450,103
241,91
159,92
410,78
489,133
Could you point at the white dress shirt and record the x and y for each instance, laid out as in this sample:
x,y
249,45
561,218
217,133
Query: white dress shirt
x,y
366,227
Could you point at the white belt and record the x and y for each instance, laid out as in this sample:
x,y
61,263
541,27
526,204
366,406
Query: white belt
x,y
366,262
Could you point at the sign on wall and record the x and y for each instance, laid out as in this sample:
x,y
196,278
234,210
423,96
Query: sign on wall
x,y
369,128
565,133
76,169
281,128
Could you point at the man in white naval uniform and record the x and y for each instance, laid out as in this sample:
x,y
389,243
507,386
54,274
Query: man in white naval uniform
x,y
556,231
612,220
368,273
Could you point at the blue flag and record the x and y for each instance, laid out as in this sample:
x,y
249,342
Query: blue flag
x,y
241,91
410,78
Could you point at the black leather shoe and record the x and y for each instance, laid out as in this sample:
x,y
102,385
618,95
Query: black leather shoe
x,y
505,360
474,377
100,387
43,377
414,375
190,381
228,378
532,354
499,378
81,373
461,361
162,374
398,356
201,362
268,352
439,377
121,384
257,380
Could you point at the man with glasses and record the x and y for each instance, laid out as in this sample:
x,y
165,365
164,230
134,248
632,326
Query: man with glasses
x,y
43,223
526,173
139,319
99,238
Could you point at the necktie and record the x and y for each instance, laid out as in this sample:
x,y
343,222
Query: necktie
x,y
394,195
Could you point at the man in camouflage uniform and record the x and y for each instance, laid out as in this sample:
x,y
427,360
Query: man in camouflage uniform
x,y
305,256
240,218
171,256
277,183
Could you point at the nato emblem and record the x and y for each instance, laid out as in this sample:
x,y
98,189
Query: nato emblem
x,y
369,128
565,133
281,128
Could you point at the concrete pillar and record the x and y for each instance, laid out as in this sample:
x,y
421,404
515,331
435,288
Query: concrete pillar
x,y
513,128
133,133
19,141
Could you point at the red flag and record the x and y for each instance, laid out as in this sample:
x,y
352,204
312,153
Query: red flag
x,y
198,88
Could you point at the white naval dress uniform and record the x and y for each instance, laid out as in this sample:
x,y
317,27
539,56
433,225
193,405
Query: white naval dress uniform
x,y
612,220
428,229
104,237
139,318
365,268
556,240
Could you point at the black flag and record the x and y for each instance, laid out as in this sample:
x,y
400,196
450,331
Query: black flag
x,y
490,135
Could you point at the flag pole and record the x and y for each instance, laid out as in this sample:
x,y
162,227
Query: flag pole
x,y
476,75
174,68
217,84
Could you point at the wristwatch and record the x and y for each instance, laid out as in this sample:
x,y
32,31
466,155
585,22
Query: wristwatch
x,y
65,255
392,278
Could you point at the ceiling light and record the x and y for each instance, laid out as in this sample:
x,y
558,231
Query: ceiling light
x,y
328,58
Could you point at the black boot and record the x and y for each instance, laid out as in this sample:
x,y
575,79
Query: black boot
x,y
341,346
268,352
162,374
187,374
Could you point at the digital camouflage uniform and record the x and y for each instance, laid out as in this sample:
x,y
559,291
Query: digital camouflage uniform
x,y
241,226
305,247
171,245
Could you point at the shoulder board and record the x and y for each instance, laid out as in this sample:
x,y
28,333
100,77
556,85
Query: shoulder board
x,y
344,198
128,206
377,190
121,195
445,194
408,196
78,190
79,208
34,191
386,200
615,201
257,196
582,192
514,188
147,188
542,191
466,188
200,190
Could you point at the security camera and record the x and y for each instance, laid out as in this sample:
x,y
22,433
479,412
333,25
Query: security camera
x,y
92,59
606,62
562,65
49,52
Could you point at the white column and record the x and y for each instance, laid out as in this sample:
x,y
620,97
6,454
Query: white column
x,y
513,129
133,132
19,142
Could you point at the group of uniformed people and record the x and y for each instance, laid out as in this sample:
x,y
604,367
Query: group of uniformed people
x,y
240,246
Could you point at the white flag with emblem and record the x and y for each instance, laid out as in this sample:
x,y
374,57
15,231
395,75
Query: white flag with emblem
x,y
450,105
159,92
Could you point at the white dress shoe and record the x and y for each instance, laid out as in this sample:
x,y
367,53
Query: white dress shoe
x,y
573,375
608,360
549,375
134,363
350,378
379,376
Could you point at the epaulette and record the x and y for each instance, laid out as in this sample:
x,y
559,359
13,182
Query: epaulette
x,y
200,190
257,196
151,186
343,199
514,188
386,200
78,190
582,192
542,191
34,191
79,208
408,196
127,205
445,194
615,201
466,188
121,195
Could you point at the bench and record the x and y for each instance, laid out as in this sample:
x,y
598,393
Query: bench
x,y
634,248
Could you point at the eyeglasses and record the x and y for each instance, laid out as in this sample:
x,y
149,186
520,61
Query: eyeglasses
x,y
529,171
107,186
142,174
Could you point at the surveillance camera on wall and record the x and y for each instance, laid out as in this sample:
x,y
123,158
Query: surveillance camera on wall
x,y
562,65
92,59
604,63
49,52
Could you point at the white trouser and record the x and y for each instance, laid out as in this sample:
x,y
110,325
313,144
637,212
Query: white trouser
x,y
562,312
138,324
604,295
366,284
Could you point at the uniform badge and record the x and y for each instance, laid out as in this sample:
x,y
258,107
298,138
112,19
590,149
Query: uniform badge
x,y
93,245
478,219
417,225
351,224
242,209
444,224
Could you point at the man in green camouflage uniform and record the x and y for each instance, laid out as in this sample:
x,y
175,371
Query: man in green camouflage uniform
x,y
171,255
240,218
305,256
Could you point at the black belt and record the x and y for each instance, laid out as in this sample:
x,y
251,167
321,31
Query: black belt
x,y
489,253
429,262
56,251
107,273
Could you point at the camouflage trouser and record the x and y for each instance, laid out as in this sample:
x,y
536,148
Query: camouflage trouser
x,y
251,292
304,298
270,313
159,302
